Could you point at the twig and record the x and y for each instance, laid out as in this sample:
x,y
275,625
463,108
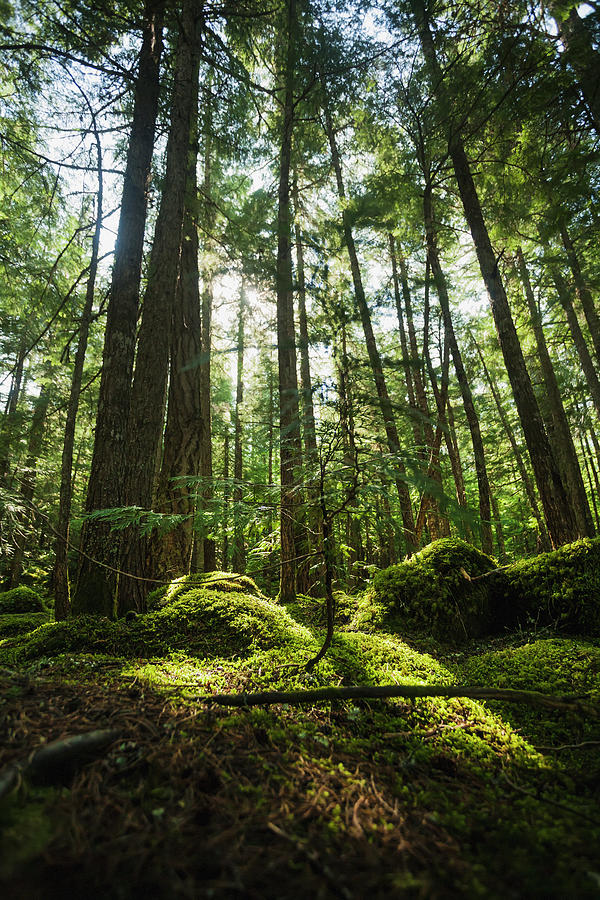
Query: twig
x,y
568,746
357,692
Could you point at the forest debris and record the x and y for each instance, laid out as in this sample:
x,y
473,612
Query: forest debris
x,y
51,761
412,691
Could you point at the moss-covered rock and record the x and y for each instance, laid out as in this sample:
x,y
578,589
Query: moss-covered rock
x,y
21,623
561,588
206,622
433,592
227,582
20,600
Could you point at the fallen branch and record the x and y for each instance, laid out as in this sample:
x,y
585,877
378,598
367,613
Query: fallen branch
x,y
52,761
410,691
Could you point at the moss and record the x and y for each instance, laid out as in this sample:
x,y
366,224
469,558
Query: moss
x,y
559,588
313,610
214,581
21,623
25,833
432,591
20,600
202,621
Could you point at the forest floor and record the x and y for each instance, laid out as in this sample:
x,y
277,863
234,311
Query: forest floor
x,y
431,798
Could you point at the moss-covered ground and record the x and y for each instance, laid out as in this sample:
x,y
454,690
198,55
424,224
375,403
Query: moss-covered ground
x,y
431,798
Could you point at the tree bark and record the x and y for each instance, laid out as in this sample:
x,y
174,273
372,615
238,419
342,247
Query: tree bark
x,y
62,598
95,585
148,394
560,522
583,291
289,413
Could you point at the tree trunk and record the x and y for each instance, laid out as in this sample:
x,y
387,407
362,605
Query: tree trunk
x,y
10,410
239,551
499,532
581,55
95,584
62,598
170,554
28,479
457,469
385,404
148,394
225,551
516,451
583,291
561,436
559,520
289,414
461,375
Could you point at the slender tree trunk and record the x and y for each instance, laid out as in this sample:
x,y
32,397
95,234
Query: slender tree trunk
x,y
289,413
28,479
516,452
406,359
225,550
561,436
352,538
560,522
239,551
587,364
499,532
10,411
457,469
62,598
385,404
583,291
170,554
461,375
148,394
590,469
95,585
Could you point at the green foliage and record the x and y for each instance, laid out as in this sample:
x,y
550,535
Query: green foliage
x,y
20,600
559,588
214,581
432,591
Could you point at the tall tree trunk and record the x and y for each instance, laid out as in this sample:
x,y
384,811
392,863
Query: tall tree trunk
x,y
239,551
499,532
170,554
561,525
516,452
461,375
62,598
28,479
406,359
312,515
148,394
352,537
95,584
457,469
385,405
289,413
561,436
209,561
583,291
225,548
10,411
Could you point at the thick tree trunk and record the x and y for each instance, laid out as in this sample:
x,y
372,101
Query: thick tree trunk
x,y
209,561
289,413
148,394
561,525
385,405
62,598
28,479
561,436
170,554
95,585
461,376
239,551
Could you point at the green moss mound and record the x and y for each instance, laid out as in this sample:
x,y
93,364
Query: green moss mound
x,y
205,622
561,588
21,623
433,592
20,600
227,582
